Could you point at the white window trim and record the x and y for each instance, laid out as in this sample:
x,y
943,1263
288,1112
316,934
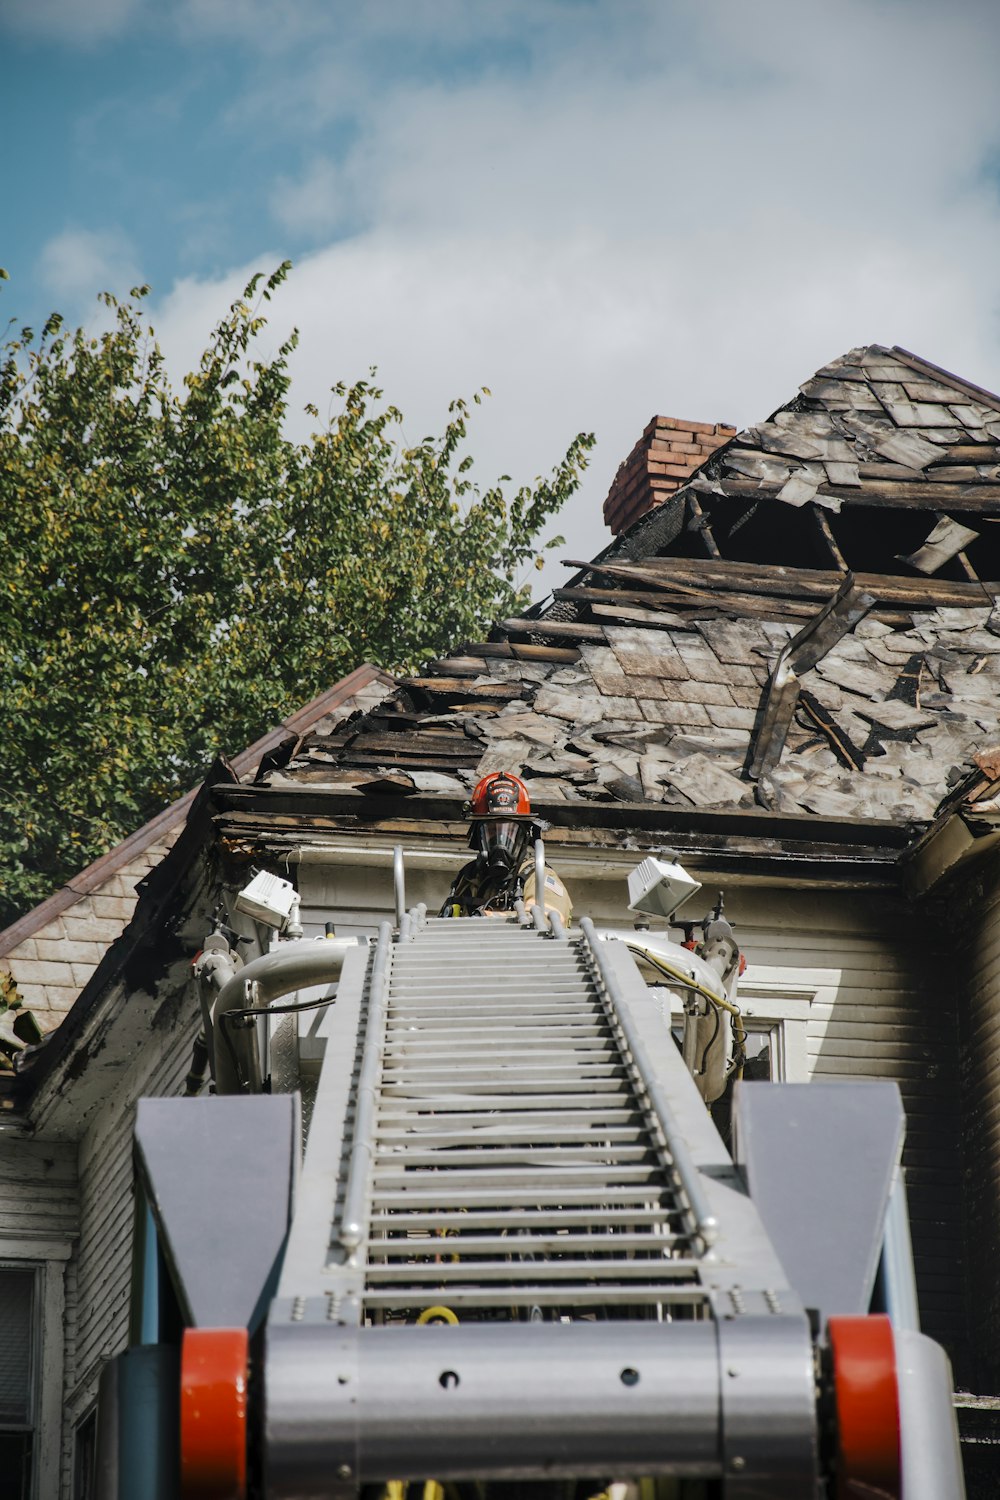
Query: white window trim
x,y
783,1009
48,1259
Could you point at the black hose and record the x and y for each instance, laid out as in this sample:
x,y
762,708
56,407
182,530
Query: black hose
x,y
195,1079
711,1041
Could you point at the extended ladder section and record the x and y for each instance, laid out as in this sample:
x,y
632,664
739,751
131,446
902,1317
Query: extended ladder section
x,y
516,1216
517,1165
516,1250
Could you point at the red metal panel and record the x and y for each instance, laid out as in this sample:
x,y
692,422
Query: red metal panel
x,y
214,1414
867,1401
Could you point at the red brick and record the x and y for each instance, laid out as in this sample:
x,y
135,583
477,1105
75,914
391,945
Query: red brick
x,y
675,422
674,471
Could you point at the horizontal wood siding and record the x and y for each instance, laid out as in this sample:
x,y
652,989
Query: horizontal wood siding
x,y
883,1008
979,914
99,1286
38,1189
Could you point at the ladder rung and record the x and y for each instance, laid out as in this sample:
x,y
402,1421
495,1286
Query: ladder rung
x,y
448,1157
556,1195
522,1244
492,1136
514,1296
522,1218
483,1271
488,1090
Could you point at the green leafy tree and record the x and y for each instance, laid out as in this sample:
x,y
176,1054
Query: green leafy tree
x,y
178,575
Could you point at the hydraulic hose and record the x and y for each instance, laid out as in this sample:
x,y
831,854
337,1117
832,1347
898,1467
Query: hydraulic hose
x,y
291,966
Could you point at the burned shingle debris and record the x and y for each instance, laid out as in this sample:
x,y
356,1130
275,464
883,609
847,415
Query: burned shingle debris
x,y
651,675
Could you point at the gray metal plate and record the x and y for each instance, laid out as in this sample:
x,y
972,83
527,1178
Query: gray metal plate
x,y
219,1174
819,1161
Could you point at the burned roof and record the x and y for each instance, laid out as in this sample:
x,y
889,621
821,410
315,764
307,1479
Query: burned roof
x,y
807,627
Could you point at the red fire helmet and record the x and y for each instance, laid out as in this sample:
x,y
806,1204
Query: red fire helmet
x,y
500,795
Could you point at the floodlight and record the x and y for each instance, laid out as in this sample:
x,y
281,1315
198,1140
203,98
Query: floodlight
x,y
659,887
268,899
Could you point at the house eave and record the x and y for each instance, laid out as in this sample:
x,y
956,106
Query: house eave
x,y
741,843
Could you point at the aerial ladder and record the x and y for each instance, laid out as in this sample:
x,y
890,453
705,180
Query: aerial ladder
x,y
517,1257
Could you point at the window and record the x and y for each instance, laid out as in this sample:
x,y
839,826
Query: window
x,y
17,1380
85,1458
776,1020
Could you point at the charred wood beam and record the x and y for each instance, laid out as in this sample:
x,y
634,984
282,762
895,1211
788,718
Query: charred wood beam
x,y
449,686
523,651
700,522
840,743
630,604
558,629
839,615
924,493
828,538
681,574
658,607
582,822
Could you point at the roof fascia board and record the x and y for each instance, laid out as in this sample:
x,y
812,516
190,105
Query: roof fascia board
x,y
58,1055
805,828
94,875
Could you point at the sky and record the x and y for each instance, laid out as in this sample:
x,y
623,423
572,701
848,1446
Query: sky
x,y
600,209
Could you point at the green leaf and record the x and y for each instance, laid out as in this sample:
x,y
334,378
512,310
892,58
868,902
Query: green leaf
x,y
179,574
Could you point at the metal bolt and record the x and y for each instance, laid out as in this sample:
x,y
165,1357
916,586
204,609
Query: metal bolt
x,y
732,1371
738,1463
345,1471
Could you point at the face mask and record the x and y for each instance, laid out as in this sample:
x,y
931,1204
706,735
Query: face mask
x,y
502,842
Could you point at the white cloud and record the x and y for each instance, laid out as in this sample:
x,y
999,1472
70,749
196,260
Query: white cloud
x,y
77,263
71,21
314,203
673,208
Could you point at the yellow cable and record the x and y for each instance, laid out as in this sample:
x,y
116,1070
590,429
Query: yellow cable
x,y
739,1034
437,1315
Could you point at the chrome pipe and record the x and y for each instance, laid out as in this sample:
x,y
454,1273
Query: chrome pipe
x,y
355,1214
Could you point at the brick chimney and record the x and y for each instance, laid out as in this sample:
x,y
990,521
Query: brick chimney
x,y
662,460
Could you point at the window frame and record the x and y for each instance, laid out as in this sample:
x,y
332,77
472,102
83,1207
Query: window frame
x,y
47,1258
784,1011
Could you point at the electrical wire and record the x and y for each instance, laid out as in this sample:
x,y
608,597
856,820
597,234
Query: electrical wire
x,y
260,1010
717,1013
275,1010
739,1034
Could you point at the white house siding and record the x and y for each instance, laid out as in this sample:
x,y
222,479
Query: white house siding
x,y
39,1222
884,1007
38,1191
101,1269
977,919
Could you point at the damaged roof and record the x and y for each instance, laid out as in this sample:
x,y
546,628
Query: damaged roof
x,y
52,952
807,626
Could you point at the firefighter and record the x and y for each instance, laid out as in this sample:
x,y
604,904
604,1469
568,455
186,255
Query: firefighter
x,y
503,835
